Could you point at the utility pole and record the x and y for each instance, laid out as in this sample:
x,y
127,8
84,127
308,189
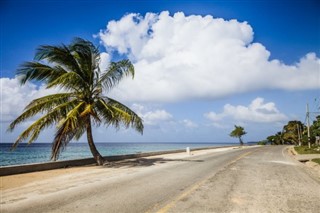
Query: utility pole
x,y
299,134
281,137
308,125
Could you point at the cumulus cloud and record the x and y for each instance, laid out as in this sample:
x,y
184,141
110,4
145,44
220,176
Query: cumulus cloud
x,y
180,57
188,124
153,116
257,111
15,97
104,61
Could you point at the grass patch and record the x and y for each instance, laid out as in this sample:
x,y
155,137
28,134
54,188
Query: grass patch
x,y
305,150
317,160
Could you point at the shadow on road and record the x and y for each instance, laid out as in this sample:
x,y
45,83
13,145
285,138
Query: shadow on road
x,y
143,162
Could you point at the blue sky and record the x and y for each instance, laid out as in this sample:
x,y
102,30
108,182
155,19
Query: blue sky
x,y
258,67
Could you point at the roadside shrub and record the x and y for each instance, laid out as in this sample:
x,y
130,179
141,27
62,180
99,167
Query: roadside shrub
x,y
264,142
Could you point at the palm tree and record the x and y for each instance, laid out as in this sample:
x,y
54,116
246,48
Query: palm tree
x,y
275,139
238,132
315,131
81,103
291,132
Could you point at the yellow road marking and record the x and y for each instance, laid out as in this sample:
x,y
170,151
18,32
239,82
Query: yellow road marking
x,y
195,187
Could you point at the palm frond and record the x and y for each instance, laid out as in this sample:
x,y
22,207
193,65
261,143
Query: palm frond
x,y
74,113
60,55
88,58
50,100
116,113
63,136
107,113
69,80
79,132
115,72
34,129
70,127
42,105
38,71
56,115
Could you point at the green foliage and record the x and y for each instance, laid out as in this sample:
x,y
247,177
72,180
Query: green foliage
x,y
263,142
275,139
315,129
291,132
75,69
238,132
306,150
317,160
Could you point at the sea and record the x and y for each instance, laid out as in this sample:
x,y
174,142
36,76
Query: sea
x,y
41,152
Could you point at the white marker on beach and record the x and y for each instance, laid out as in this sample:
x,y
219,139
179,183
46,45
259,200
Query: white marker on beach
x,y
188,150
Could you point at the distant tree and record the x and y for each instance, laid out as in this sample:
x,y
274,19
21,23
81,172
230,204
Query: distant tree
x,y
275,139
238,132
291,132
315,130
263,142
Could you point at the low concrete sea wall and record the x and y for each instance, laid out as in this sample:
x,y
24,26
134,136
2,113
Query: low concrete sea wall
x,y
19,169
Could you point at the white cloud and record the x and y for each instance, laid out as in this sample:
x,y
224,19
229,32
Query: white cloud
x,y
189,57
189,124
104,61
14,97
152,117
257,111
214,116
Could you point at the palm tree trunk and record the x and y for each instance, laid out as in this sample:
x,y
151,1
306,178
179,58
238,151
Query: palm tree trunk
x,y
98,158
241,142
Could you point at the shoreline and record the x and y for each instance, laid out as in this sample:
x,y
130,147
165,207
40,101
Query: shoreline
x,y
40,152
36,167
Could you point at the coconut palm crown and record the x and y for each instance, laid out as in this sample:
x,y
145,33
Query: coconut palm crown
x,y
81,104
238,132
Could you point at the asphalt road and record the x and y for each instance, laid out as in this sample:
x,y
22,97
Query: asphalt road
x,y
242,180
265,180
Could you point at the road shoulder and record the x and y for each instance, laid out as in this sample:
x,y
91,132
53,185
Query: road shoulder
x,y
309,166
